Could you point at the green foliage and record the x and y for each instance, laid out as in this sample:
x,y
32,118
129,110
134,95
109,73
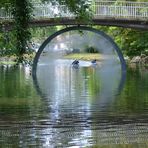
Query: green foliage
x,y
5,3
7,46
91,49
22,11
81,8
134,42
39,34
131,42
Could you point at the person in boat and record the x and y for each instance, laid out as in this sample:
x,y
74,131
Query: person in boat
x,y
75,62
94,61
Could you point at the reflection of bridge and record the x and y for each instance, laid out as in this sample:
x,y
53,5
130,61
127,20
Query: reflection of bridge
x,y
109,13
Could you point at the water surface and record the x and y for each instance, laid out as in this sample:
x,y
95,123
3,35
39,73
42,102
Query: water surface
x,y
73,107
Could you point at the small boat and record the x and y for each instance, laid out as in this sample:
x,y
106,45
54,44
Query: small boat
x,y
75,64
94,62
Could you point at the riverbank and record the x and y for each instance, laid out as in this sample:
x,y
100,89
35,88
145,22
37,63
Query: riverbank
x,y
12,60
138,60
84,56
8,60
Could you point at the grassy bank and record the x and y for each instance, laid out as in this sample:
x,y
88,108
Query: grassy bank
x,y
84,56
7,60
12,60
7,63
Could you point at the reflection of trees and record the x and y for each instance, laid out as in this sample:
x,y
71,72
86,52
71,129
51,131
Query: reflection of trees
x,y
134,98
126,119
67,115
13,83
92,80
19,106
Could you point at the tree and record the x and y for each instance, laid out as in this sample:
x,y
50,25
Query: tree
x,y
81,8
132,42
22,13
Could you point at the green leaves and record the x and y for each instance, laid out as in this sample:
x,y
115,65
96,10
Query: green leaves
x,y
132,42
80,8
22,12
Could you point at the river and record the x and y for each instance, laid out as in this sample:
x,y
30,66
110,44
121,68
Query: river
x,y
63,106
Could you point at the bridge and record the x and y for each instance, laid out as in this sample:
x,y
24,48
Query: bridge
x,y
107,13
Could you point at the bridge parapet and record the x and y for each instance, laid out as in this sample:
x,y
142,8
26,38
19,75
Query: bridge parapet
x,y
110,9
121,9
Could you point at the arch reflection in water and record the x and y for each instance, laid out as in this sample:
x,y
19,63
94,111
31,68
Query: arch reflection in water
x,y
77,101
59,81
75,96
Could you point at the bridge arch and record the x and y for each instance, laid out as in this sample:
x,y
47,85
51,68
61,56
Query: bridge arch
x,y
83,28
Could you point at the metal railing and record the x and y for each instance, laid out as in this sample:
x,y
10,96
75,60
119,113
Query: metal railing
x,y
5,14
113,9
121,9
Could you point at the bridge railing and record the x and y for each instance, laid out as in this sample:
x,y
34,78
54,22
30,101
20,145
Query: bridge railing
x,y
120,9
109,9
50,11
5,14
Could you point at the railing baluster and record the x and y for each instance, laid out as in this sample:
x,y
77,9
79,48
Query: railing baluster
x,y
116,9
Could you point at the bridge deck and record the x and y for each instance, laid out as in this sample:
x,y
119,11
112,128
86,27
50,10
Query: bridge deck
x,y
109,13
126,23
